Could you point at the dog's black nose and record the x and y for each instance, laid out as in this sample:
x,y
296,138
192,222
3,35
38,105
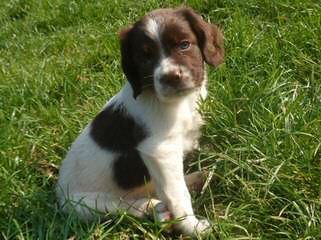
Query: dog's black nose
x,y
173,78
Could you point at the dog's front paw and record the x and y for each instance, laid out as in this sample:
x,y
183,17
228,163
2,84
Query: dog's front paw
x,y
202,227
191,226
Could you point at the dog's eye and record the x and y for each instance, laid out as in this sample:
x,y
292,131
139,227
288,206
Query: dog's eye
x,y
183,45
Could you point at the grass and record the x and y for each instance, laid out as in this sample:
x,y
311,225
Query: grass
x,y
59,63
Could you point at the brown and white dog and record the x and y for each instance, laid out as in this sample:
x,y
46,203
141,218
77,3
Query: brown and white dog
x,y
130,157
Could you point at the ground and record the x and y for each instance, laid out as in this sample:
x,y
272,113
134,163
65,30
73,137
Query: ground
x,y
60,62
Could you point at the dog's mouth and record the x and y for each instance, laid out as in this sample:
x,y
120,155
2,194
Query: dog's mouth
x,y
184,91
169,93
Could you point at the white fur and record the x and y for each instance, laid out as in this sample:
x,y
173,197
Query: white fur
x,y
204,85
153,28
86,179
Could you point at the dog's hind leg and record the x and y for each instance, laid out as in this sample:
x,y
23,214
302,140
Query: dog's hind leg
x,y
196,180
91,206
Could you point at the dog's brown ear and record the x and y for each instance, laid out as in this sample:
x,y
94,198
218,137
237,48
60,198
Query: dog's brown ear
x,y
209,36
128,64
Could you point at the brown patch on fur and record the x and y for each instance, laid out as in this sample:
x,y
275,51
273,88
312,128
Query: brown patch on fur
x,y
176,32
139,56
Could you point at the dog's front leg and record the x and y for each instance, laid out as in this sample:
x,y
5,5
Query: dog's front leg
x,y
166,170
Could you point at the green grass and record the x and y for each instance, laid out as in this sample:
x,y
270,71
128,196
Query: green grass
x,y
59,63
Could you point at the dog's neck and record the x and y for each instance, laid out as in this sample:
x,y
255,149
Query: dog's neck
x,y
149,98
149,109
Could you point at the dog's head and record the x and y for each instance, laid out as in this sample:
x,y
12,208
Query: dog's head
x,y
165,51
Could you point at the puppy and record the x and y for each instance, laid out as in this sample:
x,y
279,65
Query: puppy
x,y
130,157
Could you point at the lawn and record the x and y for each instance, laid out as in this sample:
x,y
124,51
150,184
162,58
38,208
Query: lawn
x,y
60,62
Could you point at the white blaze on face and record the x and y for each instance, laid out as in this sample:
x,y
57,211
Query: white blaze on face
x,y
163,68
153,28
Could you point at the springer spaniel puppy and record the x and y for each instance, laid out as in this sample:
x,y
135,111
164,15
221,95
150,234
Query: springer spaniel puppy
x,y
130,157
